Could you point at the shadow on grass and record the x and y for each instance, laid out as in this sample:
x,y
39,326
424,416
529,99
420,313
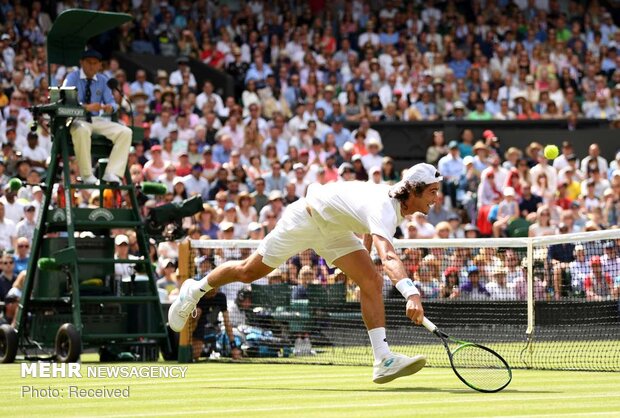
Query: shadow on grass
x,y
463,391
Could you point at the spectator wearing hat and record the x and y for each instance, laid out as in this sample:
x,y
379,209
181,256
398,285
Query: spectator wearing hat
x,y
498,287
507,211
373,158
156,166
256,231
11,303
449,288
599,285
183,71
98,100
456,228
196,184
610,259
209,166
168,280
183,166
25,228
300,182
274,207
121,252
474,288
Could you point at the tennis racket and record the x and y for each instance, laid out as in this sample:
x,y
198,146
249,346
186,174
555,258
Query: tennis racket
x,y
477,366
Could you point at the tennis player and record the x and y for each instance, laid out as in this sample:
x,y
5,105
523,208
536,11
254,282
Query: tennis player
x,y
327,220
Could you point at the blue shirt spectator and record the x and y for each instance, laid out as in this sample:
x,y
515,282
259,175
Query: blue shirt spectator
x,y
459,65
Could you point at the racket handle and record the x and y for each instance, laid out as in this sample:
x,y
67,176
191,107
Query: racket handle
x,y
429,325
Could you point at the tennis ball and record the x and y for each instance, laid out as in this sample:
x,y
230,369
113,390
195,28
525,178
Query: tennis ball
x,y
551,152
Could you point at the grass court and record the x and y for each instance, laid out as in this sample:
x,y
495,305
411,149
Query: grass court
x,y
286,390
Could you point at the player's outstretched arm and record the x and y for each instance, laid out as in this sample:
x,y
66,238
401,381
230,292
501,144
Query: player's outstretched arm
x,y
397,273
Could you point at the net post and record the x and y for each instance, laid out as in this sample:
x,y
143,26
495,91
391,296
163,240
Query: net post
x,y
185,261
530,299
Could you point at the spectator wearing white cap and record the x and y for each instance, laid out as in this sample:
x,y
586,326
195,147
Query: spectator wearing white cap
x,y
507,210
301,184
25,228
121,251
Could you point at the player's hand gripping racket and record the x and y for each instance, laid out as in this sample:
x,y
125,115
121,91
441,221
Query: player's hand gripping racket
x,y
477,366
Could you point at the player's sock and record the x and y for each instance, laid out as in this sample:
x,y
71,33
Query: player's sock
x,y
202,288
378,340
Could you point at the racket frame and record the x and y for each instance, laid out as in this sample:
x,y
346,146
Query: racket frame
x,y
463,344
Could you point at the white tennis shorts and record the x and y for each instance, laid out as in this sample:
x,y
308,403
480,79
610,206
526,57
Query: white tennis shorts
x,y
297,231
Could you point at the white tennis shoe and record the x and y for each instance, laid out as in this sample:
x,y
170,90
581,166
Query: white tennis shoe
x,y
395,366
183,306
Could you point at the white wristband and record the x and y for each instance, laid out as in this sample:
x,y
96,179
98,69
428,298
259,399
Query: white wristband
x,y
407,288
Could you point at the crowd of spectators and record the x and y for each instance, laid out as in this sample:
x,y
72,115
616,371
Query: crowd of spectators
x,y
306,72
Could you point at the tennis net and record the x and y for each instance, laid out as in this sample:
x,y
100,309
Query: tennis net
x,y
545,303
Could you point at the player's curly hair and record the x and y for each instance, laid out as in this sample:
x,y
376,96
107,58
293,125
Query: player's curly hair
x,y
402,190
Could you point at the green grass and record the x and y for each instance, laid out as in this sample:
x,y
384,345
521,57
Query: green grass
x,y
285,390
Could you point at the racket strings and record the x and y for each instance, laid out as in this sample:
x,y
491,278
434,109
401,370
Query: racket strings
x,y
480,368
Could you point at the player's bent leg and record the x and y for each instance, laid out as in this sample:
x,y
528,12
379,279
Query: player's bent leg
x,y
191,291
387,366
359,267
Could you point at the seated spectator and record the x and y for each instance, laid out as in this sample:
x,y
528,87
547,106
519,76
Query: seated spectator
x,y
508,210
450,286
25,228
426,282
168,280
22,255
560,256
598,285
473,288
498,287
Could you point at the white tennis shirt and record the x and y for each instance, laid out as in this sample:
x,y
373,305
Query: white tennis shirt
x,y
360,207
